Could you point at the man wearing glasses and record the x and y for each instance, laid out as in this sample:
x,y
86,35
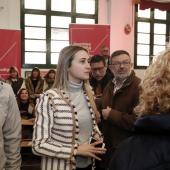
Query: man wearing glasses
x,y
104,50
119,98
99,78
98,81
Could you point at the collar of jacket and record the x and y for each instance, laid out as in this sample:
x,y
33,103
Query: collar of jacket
x,y
153,124
126,83
129,79
93,80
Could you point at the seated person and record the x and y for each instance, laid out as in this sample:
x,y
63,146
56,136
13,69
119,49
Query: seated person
x,y
27,111
24,102
99,78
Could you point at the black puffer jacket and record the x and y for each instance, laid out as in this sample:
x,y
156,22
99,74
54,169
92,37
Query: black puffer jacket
x,y
148,149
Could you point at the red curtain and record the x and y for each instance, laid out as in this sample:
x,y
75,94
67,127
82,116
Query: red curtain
x,y
163,5
162,1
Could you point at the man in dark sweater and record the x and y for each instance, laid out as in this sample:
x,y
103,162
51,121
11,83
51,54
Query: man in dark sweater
x,y
99,79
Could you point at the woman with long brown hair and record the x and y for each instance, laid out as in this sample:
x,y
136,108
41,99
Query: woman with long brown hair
x,y
66,116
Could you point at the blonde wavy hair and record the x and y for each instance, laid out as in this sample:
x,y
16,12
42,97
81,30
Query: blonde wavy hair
x,y
66,57
155,87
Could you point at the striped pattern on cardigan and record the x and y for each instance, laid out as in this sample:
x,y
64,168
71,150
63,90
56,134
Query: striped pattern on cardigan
x,y
56,131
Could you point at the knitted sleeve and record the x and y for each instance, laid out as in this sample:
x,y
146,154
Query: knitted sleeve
x,y
47,141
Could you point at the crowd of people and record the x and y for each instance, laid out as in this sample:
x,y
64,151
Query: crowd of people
x,y
35,83
112,105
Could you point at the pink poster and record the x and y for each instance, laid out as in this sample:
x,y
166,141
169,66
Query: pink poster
x,y
10,51
91,37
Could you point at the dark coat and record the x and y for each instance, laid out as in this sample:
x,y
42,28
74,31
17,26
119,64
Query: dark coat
x,y
39,87
104,81
148,149
93,82
30,87
119,123
16,86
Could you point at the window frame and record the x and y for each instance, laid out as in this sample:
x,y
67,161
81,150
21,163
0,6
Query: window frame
x,y
152,21
48,13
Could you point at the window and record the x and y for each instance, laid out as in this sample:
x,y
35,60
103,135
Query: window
x,y
45,26
152,32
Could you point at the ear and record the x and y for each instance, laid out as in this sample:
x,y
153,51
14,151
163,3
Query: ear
x,y
131,65
105,67
110,67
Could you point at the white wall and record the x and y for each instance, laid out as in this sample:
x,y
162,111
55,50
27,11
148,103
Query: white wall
x,y
10,14
117,13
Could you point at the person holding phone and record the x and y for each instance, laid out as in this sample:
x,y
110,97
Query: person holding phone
x,y
99,78
66,116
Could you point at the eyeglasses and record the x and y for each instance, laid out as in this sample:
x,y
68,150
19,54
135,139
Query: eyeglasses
x,y
105,50
100,69
118,64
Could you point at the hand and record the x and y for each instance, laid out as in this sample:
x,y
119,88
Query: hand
x,y
105,112
97,137
32,96
98,101
37,95
89,150
98,117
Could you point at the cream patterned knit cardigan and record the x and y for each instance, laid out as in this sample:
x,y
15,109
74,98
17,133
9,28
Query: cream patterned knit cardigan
x,y
56,131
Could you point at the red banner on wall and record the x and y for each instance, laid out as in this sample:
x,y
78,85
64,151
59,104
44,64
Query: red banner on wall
x,y
92,37
10,51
